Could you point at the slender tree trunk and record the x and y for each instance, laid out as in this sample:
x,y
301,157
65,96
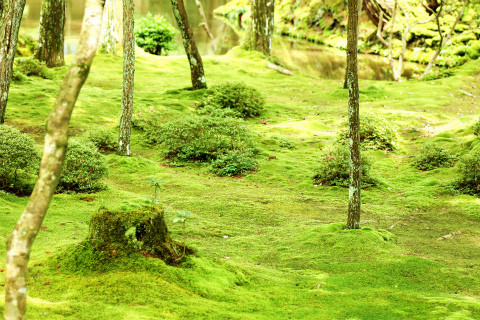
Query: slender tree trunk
x,y
50,35
109,38
128,78
194,58
260,31
354,201
20,241
205,24
9,27
360,6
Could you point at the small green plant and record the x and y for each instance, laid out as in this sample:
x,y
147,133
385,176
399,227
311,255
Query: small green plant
x,y
431,157
155,34
469,181
182,217
83,168
243,100
156,190
31,67
334,168
234,163
19,160
476,128
375,133
103,138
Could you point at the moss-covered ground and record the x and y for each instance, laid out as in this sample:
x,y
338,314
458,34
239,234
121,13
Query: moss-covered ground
x,y
269,245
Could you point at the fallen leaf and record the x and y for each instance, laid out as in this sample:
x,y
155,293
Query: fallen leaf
x,y
46,282
44,227
58,265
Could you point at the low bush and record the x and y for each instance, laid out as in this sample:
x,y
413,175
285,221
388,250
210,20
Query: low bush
x,y
103,138
83,168
334,168
432,156
243,100
234,163
375,133
31,67
469,181
19,160
155,34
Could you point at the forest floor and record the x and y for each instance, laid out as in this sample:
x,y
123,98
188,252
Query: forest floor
x,y
270,245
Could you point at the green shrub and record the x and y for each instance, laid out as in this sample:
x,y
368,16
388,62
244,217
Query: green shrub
x,y
442,73
432,156
32,67
334,168
234,163
476,128
83,168
202,139
243,100
469,166
103,138
375,133
155,34
19,160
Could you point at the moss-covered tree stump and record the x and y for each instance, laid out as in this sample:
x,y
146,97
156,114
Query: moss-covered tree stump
x,y
143,231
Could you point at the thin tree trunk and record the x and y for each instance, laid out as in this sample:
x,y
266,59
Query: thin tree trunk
x,y
9,27
128,78
108,41
353,221
22,237
360,7
205,24
50,35
194,58
260,31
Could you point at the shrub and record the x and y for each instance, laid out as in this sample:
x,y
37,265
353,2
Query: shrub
x,y
103,138
19,160
202,139
244,100
155,34
32,67
375,133
476,128
431,157
469,166
83,168
234,163
334,168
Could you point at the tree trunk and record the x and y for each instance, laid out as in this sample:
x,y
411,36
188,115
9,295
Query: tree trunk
x,y
260,32
360,7
353,220
50,35
128,78
194,58
9,27
21,239
374,8
108,41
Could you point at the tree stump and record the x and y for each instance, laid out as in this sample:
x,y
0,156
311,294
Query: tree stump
x,y
143,231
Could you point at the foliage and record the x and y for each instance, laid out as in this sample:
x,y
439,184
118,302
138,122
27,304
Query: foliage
x,y
18,159
155,34
83,168
234,163
442,73
476,128
103,138
334,168
32,67
26,45
432,156
245,101
375,133
202,139
469,166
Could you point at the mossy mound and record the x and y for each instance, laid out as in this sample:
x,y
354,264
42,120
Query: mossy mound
x,y
115,235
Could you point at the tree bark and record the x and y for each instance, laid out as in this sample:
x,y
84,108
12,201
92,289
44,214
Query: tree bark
x,y
9,27
50,35
194,58
109,39
360,7
354,200
260,31
20,241
128,78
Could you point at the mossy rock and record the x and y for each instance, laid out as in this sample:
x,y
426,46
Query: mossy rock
x,y
143,231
